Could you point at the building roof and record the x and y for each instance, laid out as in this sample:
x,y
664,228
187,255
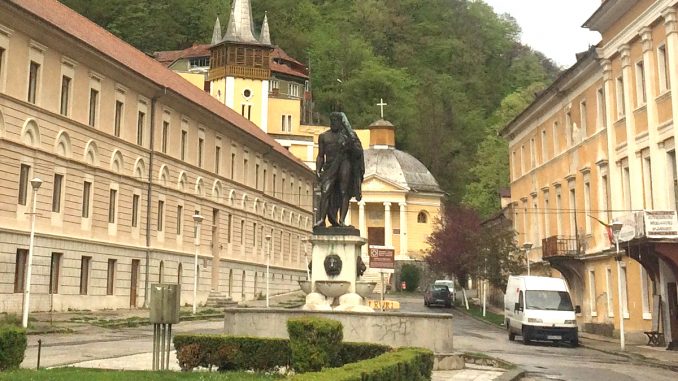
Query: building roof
x,y
116,50
401,168
168,57
240,26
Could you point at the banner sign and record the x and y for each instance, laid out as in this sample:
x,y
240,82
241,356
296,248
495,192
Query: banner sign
x,y
381,258
661,224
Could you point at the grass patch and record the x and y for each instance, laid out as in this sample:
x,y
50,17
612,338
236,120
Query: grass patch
x,y
71,374
477,311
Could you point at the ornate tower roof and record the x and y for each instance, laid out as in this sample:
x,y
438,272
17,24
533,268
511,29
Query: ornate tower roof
x,y
216,33
265,37
240,25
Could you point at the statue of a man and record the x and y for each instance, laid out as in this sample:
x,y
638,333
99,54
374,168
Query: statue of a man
x,y
340,167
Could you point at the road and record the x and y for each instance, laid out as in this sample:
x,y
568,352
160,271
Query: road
x,y
542,361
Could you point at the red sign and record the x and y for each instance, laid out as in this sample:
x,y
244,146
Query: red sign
x,y
403,285
382,258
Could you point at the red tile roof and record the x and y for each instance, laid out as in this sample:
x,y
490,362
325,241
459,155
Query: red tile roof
x,y
79,27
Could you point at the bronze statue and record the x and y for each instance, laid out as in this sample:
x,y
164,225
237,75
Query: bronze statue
x,y
340,167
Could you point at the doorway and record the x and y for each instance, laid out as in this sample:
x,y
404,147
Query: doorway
x,y
672,302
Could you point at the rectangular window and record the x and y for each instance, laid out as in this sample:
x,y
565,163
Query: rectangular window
x,y
626,186
254,234
625,293
572,204
230,227
86,194
56,193
65,94
161,214
592,294
20,270
180,218
601,117
256,176
570,129
184,138
264,182
111,205
587,207
621,111
543,146
547,215
556,143
641,97
647,182
110,277
201,144
249,112
663,68
533,154
559,208
523,159
140,128
232,165
24,173
605,188
33,78
245,170
672,179
217,159
645,293
55,273
165,134
274,184
93,103
242,232
118,117
582,118
283,126
608,291
135,210
84,274
289,123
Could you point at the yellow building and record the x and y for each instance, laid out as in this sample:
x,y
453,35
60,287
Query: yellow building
x,y
128,152
599,144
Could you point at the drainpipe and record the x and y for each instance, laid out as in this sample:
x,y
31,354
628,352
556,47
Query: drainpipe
x,y
149,193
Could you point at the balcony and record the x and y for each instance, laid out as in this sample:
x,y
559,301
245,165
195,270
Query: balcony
x,y
560,246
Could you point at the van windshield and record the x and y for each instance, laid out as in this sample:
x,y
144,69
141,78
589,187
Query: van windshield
x,y
548,300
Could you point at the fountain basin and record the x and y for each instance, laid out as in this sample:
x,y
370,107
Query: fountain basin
x,y
305,286
364,289
332,288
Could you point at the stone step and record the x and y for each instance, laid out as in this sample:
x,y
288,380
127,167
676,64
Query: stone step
x,y
219,299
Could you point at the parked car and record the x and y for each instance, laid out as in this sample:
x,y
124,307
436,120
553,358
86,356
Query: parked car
x,y
437,294
450,286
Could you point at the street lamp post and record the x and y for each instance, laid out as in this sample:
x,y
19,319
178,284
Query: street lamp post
x,y
527,246
197,218
268,264
35,184
616,229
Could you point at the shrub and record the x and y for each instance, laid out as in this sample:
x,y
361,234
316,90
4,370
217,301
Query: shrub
x,y
314,343
231,352
12,346
405,364
354,352
411,275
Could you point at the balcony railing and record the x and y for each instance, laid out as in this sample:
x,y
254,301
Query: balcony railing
x,y
559,246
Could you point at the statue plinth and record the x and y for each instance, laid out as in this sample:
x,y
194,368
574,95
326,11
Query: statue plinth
x,y
334,270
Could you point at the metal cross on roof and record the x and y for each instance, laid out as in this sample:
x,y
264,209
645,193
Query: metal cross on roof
x,y
382,104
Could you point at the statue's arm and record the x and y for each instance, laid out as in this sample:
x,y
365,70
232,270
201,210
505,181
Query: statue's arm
x,y
320,160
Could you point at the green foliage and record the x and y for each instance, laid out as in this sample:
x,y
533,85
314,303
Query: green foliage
x,y
405,364
443,67
13,343
410,274
354,352
231,352
315,343
76,374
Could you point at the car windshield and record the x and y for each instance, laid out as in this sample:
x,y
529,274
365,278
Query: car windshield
x,y
444,283
438,287
548,300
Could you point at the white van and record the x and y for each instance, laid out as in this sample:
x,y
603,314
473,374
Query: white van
x,y
540,308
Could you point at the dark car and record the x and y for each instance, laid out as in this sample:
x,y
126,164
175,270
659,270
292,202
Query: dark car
x,y
438,294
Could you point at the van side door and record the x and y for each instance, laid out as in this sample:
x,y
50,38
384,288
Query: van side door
x,y
520,310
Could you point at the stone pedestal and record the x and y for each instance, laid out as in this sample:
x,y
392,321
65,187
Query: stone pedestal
x,y
334,262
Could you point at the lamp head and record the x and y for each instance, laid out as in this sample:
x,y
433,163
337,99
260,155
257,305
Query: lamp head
x,y
197,218
527,246
36,183
616,227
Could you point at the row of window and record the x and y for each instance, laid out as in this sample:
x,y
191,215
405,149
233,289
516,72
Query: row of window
x,y
646,287
575,134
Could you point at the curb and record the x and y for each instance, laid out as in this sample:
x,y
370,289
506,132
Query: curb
x,y
635,357
462,309
511,375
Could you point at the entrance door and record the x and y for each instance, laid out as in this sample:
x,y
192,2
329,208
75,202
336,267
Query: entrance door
x,y
673,310
375,236
133,283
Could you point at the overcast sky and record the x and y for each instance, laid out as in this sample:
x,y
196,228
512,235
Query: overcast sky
x,y
552,27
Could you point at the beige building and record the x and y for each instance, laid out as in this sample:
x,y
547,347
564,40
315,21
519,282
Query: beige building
x,y
128,152
599,144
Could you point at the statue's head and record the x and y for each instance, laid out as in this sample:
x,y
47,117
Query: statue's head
x,y
336,120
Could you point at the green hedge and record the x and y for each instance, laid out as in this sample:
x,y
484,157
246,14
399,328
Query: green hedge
x,y
12,346
315,343
231,352
354,352
406,364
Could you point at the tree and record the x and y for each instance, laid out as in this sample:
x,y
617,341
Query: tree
x,y
463,246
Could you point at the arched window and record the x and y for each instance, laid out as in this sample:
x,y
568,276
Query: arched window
x,y
422,217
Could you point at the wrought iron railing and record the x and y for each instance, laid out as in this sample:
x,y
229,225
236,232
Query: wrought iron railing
x,y
559,246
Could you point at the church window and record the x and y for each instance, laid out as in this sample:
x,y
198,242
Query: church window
x,y
422,217
247,93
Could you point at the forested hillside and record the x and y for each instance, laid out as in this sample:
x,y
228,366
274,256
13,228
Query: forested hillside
x,y
451,71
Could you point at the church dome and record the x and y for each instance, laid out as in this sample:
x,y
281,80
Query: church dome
x,y
401,168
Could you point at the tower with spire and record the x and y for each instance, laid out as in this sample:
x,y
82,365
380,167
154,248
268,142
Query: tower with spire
x,y
240,65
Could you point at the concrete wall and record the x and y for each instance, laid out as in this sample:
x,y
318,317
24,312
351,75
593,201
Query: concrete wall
x,y
432,331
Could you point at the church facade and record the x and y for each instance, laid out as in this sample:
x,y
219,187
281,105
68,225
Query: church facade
x,y
128,152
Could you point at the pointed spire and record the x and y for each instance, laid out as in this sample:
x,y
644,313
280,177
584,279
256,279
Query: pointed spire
x,y
265,37
216,33
240,26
